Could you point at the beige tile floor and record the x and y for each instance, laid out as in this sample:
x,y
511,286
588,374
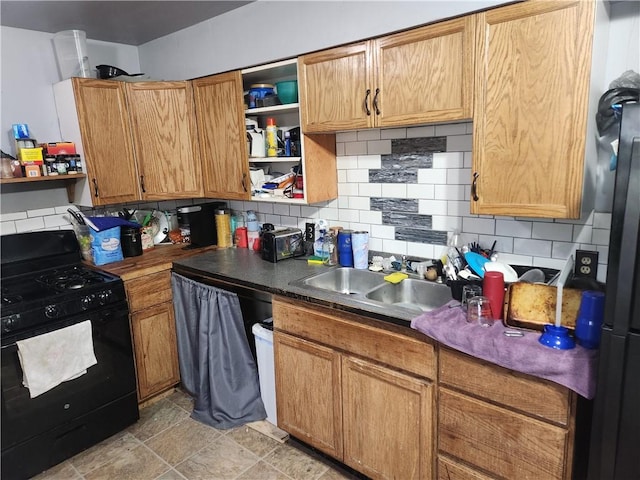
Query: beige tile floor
x,y
166,444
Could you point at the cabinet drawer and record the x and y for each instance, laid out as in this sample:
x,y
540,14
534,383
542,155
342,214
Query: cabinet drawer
x,y
149,290
356,335
449,469
505,443
536,397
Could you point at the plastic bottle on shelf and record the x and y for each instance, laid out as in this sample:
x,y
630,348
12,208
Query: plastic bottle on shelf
x,y
287,144
272,138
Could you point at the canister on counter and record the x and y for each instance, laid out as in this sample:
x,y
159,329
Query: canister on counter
x,y
223,228
345,253
146,237
360,248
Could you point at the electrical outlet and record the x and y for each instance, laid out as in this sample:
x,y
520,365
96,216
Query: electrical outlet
x,y
586,264
310,232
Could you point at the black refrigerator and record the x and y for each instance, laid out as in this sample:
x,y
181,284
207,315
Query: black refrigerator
x,y
615,431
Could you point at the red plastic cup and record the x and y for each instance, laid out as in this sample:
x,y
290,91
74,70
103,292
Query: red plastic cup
x,y
242,239
493,289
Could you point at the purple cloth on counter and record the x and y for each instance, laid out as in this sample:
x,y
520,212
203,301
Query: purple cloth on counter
x,y
575,369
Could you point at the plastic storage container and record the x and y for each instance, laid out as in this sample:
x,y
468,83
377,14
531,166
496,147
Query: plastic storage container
x,y
71,53
266,369
287,91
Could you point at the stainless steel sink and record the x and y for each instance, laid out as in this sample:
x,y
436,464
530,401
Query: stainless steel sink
x,y
370,288
345,280
412,293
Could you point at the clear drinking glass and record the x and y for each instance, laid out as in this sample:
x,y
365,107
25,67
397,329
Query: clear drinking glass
x,y
479,311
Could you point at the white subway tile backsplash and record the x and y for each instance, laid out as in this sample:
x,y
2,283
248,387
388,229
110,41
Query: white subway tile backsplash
x,y
371,217
468,159
420,190
345,189
7,228
383,231
54,221
6,217
470,127
513,228
545,262
525,246
355,148
451,129
295,211
266,208
459,143
459,176
342,176
359,203
513,259
393,133
41,212
479,225
423,250
358,175
562,249
375,244
446,222
601,220
340,149
503,244
582,233
553,231
370,134
382,147
394,246
347,215
436,176
370,189
450,192
347,162
273,219
351,136
394,190
460,209
432,207
448,160
62,208
600,236
309,212
424,131
35,223
369,161
281,209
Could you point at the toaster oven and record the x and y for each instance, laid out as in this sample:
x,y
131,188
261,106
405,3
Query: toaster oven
x,y
282,244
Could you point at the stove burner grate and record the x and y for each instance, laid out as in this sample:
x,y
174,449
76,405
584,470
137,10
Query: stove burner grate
x,y
72,278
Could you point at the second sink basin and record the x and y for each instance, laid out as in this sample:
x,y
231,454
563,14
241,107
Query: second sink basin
x,y
345,280
412,293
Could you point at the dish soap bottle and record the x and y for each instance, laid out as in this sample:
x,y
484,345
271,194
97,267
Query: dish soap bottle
x,y
272,138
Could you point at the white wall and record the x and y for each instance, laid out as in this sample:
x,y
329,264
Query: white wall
x,y
264,31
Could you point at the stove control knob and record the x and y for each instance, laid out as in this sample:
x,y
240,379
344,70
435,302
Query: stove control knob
x,y
104,297
86,302
51,311
9,322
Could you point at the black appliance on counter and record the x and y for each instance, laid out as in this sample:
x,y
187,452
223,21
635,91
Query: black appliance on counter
x,y
615,437
199,220
46,287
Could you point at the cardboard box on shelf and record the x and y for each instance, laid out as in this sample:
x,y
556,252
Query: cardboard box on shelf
x,y
30,156
32,171
60,148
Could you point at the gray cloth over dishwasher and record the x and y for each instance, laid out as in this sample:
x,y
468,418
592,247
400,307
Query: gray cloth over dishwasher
x,y
575,369
216,364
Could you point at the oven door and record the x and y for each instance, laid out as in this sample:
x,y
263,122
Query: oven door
x,y
110,379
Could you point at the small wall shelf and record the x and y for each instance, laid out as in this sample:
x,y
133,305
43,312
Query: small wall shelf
x,y
69,181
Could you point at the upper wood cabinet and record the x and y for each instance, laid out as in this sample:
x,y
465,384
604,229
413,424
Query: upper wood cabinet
x,y
164,139
419,76
222,136
532,83
94,115
137,140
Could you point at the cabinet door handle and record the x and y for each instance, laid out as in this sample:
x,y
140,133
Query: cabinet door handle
x,y
142,184
474,187
375,101
366,102
244,182
95,188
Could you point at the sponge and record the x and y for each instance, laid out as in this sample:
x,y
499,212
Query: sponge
x,y
313,260
396,277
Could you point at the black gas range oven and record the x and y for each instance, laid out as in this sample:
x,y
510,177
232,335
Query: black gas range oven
x,y
45,288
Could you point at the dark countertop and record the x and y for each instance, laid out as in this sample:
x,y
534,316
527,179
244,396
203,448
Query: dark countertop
x,y
243,267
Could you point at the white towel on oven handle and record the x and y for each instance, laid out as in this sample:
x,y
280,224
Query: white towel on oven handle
x,y
49,359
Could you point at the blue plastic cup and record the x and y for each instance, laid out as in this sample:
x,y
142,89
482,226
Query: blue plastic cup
x,y
590,317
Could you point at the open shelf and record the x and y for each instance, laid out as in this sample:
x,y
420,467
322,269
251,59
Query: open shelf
x,y
274,159
69,179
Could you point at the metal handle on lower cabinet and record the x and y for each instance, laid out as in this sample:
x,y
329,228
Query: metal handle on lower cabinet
x,y
375,101
366,102
244,182
474,187
142,184
95,188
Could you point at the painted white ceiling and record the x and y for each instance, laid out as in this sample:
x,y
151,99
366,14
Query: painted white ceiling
x,y
130,23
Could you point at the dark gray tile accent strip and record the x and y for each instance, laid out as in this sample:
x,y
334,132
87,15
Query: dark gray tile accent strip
x,y
421,144
396,175
406,160
406,219
393,204
419,235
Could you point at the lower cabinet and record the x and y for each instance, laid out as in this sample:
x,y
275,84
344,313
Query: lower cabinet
x,y
154,333
355,391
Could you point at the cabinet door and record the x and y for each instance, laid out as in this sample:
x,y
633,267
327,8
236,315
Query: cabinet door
x,y
335,89
308,392
106,140
165,140
532,80
155,349
425,75
222,136
388,421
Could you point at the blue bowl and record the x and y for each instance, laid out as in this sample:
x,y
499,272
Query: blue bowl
x,y
557,337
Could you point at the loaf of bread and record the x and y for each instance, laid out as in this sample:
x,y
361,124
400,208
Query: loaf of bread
x,y
534,305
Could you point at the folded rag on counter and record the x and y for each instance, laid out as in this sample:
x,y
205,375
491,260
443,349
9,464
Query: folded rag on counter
x,y
55,357
575,369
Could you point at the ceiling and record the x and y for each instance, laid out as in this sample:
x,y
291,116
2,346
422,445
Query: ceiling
x,y
130,23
